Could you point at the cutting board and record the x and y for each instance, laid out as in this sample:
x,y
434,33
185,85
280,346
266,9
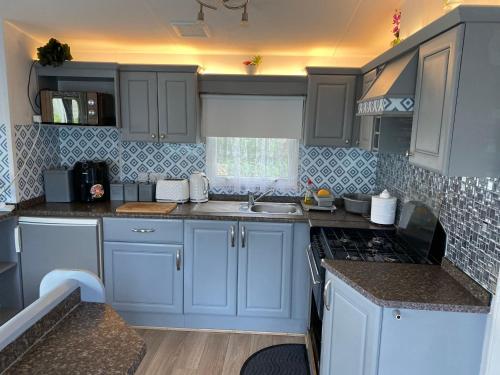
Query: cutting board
x,y
146,208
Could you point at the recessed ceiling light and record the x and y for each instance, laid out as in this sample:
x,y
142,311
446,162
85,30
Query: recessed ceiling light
x,y
191,29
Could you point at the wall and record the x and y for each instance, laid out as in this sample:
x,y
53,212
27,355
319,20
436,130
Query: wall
x,y
469,209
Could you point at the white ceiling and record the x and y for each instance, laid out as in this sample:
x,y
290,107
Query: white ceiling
x,y
359,28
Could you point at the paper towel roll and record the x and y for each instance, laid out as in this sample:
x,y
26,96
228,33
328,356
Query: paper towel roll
x,y
383,208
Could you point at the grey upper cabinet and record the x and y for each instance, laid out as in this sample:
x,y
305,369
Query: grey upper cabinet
x,y
177,105
456,129
366,133
437,81
330,110
159,106
138,92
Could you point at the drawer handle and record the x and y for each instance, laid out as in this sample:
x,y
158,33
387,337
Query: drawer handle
x,y
142,230
396,314
178,260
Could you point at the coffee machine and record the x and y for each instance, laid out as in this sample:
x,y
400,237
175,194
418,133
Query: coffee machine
x,y
91,181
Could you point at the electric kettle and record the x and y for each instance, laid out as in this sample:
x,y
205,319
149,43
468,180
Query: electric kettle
x,y
198,187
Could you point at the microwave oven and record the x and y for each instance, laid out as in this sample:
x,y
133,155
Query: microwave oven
x,y
77,108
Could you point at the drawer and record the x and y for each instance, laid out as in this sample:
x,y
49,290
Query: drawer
x,y
143,230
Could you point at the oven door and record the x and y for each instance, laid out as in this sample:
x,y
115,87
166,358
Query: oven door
x,y
317,282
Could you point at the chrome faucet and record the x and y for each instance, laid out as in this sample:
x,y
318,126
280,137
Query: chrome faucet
x,y
252,199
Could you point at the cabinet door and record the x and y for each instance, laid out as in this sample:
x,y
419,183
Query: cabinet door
x,y
178,107
436,90
139,106
265,270
351,331
329,111
143,277
210,267
366,133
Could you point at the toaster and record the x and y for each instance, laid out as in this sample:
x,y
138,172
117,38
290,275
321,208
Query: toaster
x,y
172,190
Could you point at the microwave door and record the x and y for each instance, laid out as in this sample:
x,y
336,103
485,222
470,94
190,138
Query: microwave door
x,y
66,110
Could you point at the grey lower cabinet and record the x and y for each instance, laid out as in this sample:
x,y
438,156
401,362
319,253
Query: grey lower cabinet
x,y
159,106
143,266
144,277
265,270
360,337
330,110
455,123
208,274
210,267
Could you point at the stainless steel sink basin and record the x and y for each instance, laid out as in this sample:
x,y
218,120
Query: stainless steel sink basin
x,y
276,208
262,208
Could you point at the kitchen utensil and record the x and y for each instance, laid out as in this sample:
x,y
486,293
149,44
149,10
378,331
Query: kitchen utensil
x,y
146,208
383,208
358,203
198,187
173,190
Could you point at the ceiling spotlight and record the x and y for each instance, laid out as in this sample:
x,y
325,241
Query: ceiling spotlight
x,y
201,15
244,16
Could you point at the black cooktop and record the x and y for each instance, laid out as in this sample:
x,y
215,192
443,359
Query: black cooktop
x,y
379,245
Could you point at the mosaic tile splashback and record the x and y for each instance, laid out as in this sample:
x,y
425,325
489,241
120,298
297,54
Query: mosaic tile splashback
x,y
4,165
469,209
343,170
44,155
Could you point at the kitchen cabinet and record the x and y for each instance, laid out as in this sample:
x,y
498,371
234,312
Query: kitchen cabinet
x,y
143,266
210,267
138,95
349,343
360,337
330,110
265,270
455,122
159,106
144,277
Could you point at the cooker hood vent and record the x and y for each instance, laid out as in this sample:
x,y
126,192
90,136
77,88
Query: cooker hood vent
x,y
393,91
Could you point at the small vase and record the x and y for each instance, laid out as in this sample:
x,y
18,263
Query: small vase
x,y
251,69
395,42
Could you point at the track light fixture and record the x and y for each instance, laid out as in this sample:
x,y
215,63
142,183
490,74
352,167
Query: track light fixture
x,y
228,4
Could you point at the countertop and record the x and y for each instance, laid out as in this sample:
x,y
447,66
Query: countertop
x,y
92,339
218,210
411,286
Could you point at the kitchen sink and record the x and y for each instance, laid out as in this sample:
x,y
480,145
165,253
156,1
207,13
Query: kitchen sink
x,y
276,208
263,208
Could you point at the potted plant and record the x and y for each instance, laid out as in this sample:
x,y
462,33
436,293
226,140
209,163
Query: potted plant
x,y
54,53
252,65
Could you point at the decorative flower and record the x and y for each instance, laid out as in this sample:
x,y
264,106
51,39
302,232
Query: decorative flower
x,y
396,23
256,60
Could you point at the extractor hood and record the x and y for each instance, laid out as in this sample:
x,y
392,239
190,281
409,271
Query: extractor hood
x,y
393,91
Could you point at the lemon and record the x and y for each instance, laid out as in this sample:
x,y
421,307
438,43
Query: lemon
x,y
323,193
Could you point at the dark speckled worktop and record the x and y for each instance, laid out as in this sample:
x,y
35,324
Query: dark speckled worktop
x,y
412,286
189,211
92,339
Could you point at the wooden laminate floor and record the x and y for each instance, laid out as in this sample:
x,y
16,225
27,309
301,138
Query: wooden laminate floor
x,y
202,353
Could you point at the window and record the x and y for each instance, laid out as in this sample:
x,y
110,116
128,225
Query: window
x,y
241,164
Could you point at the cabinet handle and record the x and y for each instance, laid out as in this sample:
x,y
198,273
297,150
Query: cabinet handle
x,y
142,230
153,136
326,295
346,141
243,235
162,136
17,239
232,236
408,153
178,260
396,314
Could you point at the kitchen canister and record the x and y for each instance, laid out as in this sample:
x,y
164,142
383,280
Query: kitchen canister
x,y
383,208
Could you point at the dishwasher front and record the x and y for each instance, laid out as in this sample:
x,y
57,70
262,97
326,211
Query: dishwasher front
x,y
47,243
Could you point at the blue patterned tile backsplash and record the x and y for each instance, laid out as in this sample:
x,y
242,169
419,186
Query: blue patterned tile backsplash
x,y
341,169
